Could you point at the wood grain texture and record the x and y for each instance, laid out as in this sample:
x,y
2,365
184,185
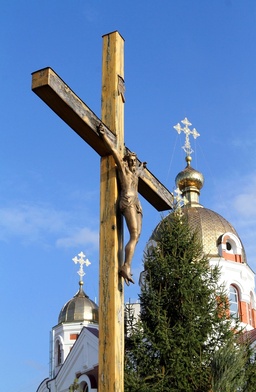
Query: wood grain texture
x,y
111,314
71,109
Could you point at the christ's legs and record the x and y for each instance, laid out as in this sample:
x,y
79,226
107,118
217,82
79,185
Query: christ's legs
x,y
133,221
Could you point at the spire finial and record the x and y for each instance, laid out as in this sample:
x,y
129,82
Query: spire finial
x,y
187,146
81,260
179,202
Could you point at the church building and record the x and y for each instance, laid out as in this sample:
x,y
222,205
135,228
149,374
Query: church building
x,y
221,243
74,345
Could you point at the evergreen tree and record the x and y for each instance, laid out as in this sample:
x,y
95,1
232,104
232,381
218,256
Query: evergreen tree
x,y
233,366
184,316
228,368
250,364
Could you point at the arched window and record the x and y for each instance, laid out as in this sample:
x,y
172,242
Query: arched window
x,y
230,247
58,353
87,383
233,301
85,389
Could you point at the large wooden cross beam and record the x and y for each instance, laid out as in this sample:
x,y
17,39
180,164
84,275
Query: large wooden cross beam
x,y
64,102
67,105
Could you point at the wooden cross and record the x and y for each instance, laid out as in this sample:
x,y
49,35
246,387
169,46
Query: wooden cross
x,y
63,101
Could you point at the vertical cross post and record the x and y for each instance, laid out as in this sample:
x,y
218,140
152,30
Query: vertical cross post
x,y
111,298
68,106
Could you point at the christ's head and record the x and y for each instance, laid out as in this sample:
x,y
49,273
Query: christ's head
x,y
131,159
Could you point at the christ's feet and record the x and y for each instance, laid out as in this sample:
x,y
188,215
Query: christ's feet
x,y
125,272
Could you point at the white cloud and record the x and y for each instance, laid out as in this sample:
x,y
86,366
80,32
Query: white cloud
x,y
244,205
238,207
242,143
83,236
237,196
244,198
30,223
35,365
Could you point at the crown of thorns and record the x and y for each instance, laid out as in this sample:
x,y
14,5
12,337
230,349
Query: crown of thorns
x,y
129,155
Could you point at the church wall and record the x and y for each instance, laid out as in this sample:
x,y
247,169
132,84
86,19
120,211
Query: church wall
x,y
66,334
242,277
254,317
43,386
244,312
83,356
83,380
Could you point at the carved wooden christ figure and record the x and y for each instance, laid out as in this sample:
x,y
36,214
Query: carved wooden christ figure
x,y
129,204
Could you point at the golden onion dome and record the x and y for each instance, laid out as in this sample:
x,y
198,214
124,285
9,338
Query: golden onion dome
x,y
210,227
79,309
190,181
189,177
209,224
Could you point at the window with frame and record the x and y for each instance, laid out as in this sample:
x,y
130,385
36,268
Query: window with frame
x,y
58,353
85,389
233,301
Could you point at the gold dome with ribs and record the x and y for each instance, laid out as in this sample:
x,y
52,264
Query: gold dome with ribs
x,y
189,177
190,181
80,308
210,226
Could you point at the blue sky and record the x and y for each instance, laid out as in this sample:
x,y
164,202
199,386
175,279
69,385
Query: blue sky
x,y
185,58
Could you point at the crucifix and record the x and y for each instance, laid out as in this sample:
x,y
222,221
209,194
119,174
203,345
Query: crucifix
x,y
68,106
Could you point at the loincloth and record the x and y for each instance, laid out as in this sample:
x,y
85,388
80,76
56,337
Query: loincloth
x,y
130,202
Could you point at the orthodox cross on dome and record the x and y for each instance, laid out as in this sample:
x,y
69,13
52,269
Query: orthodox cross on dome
x,y
81,260
178,202
187,146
